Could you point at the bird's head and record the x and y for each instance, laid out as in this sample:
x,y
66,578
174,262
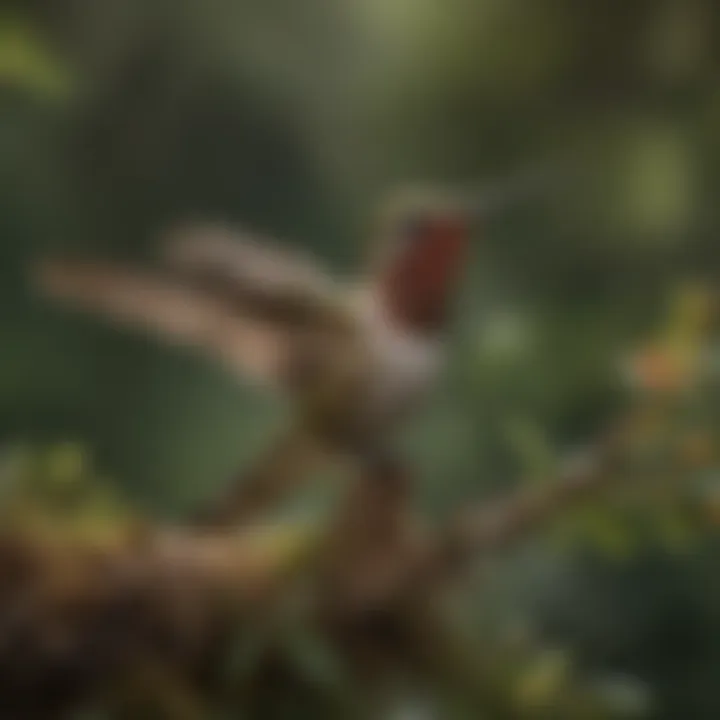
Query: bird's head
x,y
426,241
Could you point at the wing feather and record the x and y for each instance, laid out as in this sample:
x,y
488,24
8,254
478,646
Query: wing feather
x,y
284,284
164,305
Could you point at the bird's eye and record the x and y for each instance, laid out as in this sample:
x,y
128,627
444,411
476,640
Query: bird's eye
x,y
414,228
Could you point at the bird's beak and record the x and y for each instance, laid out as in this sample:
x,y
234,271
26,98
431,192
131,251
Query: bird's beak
x,y
491,199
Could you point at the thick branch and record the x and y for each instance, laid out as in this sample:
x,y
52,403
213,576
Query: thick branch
x,y
77,616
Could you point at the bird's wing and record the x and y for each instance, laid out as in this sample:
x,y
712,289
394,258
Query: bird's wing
x,y
279,283
177,312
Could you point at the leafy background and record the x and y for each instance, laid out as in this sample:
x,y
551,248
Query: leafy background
x,y
117,116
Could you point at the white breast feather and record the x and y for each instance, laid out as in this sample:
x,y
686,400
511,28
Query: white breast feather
x,y
406,363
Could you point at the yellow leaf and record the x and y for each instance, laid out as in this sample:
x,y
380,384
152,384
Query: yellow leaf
x,y
67,464
26,61
692,309
540,685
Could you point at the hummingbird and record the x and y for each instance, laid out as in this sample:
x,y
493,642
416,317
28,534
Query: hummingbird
x,y
354,357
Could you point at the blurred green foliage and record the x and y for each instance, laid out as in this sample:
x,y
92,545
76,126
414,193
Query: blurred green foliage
x,y
295,118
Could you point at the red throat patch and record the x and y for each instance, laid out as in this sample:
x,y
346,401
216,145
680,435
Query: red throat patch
x,y
421,279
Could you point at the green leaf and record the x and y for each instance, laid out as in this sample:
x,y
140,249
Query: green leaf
x,y
530,443
314,658
675,530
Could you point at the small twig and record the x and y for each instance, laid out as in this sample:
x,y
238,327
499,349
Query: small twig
x,y
282,468
490,527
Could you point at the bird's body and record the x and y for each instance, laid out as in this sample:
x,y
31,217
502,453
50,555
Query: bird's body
x,y
405,364
355,360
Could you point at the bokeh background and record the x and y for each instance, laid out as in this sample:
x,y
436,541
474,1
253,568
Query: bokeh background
x,y
296,119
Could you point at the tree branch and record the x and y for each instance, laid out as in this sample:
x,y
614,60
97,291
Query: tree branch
x,y
78,616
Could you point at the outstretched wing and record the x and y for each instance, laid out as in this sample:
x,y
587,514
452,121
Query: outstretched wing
x,y
174,310
280,284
